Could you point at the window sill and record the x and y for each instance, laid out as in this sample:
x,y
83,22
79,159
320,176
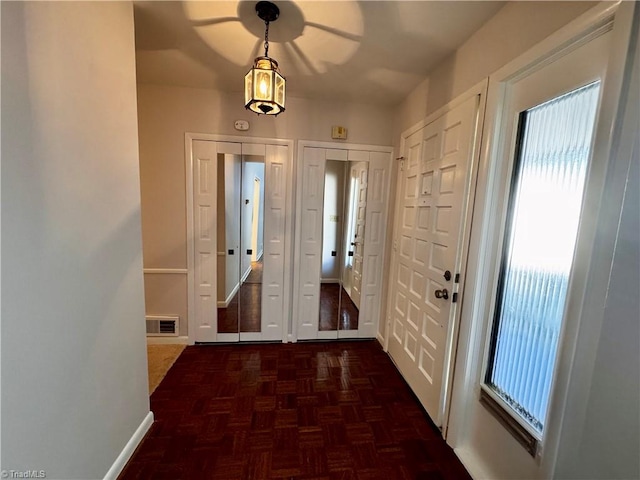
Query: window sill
x,y
521,434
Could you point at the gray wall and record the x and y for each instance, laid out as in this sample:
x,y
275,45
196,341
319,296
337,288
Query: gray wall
x,y
74,369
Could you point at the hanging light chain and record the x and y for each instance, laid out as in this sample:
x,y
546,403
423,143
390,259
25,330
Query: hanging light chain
x,y
266,38
264,86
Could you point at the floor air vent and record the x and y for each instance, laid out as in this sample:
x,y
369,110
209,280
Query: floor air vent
x,y
162,325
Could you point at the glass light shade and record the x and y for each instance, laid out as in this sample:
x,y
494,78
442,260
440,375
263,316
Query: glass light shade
x,y
264,87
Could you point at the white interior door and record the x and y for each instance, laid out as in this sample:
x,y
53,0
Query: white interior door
x,y
275,203
375,233
205,171
372,168
433,185
205,185
310,241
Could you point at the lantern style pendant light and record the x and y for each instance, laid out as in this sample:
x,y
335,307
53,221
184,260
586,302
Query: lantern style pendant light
x,y
263,84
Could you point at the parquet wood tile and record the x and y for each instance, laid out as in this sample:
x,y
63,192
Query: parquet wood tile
x,y
331,411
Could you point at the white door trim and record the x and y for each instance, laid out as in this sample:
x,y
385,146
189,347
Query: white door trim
x,y
593,23
188,148
480,91
348,147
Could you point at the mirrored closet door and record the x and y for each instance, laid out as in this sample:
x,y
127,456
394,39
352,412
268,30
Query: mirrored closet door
x,y
239,194
337,250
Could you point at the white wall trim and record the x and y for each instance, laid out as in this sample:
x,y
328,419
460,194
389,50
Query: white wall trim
x,y
297,194
189,137
343,146
479,91
168,271
129,448
474,466
184,340
188,159
479,88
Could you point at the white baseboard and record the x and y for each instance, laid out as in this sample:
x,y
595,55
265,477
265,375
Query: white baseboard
x,y
245,274
167,340
226,303
470,461
129,448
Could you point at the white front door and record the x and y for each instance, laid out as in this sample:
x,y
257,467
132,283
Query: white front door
x,y
433,186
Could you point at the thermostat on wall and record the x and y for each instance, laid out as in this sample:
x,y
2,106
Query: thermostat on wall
x,y
241,125
338,133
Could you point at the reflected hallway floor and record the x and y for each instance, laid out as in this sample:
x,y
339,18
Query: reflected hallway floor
x,y
245,305
336,410
337,310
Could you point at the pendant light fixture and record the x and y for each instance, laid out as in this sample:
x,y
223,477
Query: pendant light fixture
x,y
264,85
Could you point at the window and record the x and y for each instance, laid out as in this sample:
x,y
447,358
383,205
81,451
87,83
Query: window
x,y
545,200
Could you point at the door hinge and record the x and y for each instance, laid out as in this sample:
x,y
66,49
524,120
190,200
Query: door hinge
x,y
454,297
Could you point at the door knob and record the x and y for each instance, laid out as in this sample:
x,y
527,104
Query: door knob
x,y
444,293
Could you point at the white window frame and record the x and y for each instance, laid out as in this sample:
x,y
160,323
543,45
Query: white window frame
x,y
502,161
488,235
502,187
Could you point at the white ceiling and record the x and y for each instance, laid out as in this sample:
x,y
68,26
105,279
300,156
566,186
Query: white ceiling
x,y
364,51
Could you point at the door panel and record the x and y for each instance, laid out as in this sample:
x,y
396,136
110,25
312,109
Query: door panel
x,y
254,301
375,235
433,188
274,243
310,242
355,296
204,196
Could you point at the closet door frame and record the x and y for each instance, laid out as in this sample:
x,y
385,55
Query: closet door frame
x,y
189,138
370,330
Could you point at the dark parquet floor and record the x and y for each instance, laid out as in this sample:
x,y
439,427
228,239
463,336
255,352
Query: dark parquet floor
x,y
327,411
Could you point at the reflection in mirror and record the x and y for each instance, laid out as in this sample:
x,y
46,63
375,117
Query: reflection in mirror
x,y
342,246
240,213
252,243
334,182
228,239
355,211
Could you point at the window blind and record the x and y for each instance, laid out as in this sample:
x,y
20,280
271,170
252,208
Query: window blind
x,y
544,212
